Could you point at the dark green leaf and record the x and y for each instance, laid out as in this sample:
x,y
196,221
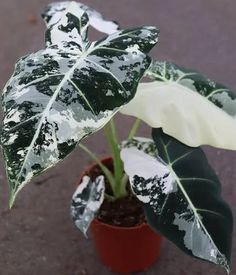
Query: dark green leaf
x,y
182,197
194,216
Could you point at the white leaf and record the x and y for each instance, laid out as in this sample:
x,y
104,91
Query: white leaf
x,y
184,114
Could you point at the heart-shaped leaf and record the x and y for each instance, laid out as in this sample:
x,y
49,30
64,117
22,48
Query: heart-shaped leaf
x,y
86,202
63,93
187,105
54,11
182,198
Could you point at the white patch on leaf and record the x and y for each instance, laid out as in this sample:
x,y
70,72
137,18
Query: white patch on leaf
x,y
146,172
12,138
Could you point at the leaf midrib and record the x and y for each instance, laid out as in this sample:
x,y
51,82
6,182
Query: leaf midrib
x,y
50,103
187,197
108,72
44,115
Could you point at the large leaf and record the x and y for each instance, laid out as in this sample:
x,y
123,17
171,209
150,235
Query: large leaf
x,y
187,105
86,202
54,11
63,93
182,198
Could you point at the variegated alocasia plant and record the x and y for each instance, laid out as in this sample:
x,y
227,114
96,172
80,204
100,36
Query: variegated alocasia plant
x,y
73,87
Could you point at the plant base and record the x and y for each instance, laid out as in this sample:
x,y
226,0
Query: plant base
x,y
124,249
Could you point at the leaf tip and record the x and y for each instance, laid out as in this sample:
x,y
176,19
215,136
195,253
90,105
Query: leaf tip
x,y
12,199
11,202
227,269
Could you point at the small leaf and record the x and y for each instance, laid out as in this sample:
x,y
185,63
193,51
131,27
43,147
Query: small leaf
x,y
182,198
187,105
67,91
86,202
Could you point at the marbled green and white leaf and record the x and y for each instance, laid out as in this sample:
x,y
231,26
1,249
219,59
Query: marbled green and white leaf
x,y
86,202
182,198
67,91
187,105
54,11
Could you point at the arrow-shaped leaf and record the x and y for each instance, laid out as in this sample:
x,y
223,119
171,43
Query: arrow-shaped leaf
x,y
182,198
187,105
63,93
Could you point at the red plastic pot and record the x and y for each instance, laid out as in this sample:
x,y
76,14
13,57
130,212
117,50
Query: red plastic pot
x,y
125,249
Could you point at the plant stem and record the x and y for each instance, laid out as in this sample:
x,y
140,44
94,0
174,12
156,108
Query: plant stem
x,y
119,163
132,133
134,129
110,198
111,135
104,169
124,180
118,181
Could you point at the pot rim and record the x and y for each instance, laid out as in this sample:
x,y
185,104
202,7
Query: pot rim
x,y
123,228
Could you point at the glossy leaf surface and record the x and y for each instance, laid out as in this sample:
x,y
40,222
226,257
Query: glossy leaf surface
x,y
182,198
67,91
54,11
187,105
86,202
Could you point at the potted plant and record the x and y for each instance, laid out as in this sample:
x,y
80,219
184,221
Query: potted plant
x,y
72,88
